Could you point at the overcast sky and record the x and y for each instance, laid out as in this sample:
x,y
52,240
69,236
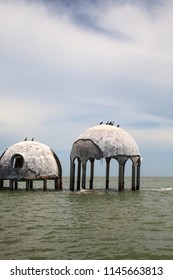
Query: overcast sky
x,y
67,65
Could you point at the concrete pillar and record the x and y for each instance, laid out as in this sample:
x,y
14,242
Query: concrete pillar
x,y
1,183
78,174
83,175
138,177
11,184
45,184
107,172
133,177
58,183
72,176
121,177
27,185
121,160
31,184
16,185
60,186
91,173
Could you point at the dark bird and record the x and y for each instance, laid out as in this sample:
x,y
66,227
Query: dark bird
x,y
32,138
101,122
25,138
107,122
118,125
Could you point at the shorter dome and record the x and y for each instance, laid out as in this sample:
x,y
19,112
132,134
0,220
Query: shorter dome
x,y
29,160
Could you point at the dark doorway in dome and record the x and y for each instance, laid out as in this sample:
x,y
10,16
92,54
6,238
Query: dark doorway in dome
x,y
17,161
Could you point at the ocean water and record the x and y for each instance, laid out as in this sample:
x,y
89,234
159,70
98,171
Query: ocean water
x,y
94,224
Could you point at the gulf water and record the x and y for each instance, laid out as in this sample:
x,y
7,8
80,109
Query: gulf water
x,y
93,224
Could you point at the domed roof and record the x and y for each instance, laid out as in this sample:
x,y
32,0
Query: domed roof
x,y
28,159
111,140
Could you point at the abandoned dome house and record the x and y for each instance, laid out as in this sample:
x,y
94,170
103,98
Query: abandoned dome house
x,y
29,161
108,142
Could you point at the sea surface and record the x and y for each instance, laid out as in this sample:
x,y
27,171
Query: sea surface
x,y
92,224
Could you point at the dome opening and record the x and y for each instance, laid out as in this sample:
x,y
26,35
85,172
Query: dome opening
x,y
17,161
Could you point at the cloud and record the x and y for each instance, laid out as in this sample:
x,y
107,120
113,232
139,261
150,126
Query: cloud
x,y
65,67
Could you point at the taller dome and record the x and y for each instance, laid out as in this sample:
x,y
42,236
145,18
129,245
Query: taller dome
x,y
111,140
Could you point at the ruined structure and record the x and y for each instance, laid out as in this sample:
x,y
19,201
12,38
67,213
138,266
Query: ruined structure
x,y
108,142
28,161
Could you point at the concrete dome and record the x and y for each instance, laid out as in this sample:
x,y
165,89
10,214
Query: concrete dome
x,y
111,140
29,160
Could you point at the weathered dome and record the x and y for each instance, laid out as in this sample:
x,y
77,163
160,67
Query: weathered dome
x,y
29,160
110,140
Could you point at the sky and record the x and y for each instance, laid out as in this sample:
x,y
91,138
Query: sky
x,y
67,65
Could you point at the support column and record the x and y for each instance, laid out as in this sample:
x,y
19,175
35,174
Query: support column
x,y
45,184
58,183
121,177
83,175
72,175
1,183
107,172
122,161
138,176
31,184
60,186
78,174
91,173
133,177
16,185
27,185
11,184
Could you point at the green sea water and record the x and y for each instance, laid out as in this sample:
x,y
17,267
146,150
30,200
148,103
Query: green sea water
x,y
93,224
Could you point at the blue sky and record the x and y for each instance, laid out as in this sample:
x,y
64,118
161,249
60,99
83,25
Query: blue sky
x,y
67,65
